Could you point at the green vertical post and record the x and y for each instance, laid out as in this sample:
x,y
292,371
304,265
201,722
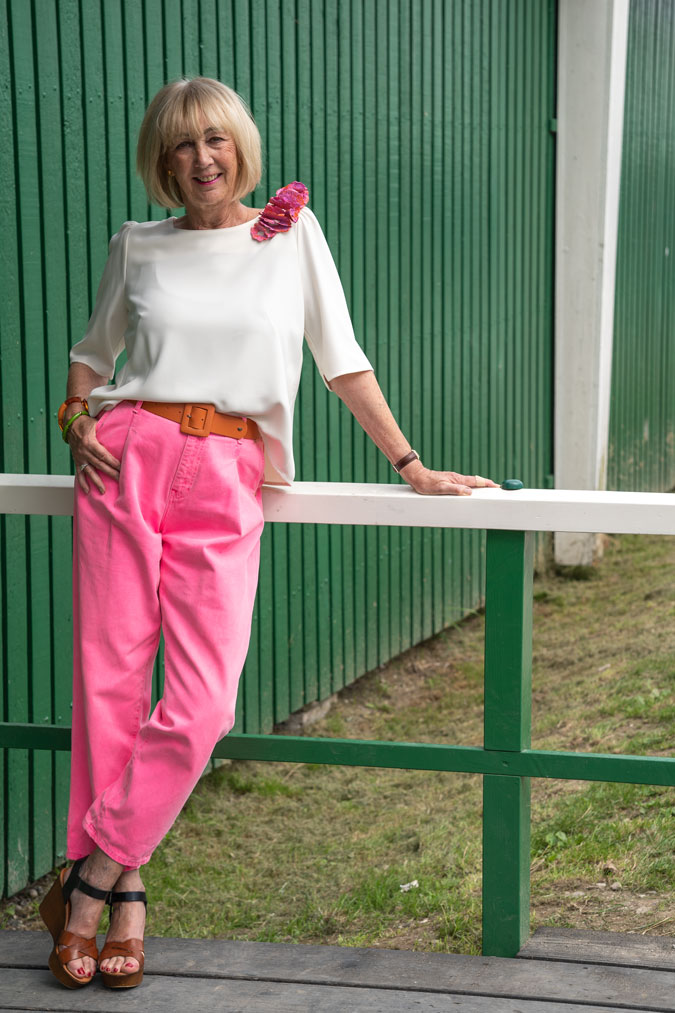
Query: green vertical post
x,y
507,726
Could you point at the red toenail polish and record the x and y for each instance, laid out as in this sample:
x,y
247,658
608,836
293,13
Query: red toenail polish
x,y
128,965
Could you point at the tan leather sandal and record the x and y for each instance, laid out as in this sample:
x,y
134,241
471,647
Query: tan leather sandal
x,y
126,948
55,912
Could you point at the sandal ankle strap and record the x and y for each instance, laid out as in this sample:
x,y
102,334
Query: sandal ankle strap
x,y
75,882
127,895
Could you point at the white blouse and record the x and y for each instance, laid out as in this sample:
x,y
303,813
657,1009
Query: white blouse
x,y
213,316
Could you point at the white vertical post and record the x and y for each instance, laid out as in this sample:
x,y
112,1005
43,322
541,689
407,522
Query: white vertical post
x,y
591,85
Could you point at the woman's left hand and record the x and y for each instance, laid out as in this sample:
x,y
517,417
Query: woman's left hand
x,y
444,483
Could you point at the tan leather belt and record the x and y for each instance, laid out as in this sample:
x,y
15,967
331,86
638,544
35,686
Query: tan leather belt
x,y
203,419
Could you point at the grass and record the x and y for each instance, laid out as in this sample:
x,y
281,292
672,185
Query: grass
x,y
283,852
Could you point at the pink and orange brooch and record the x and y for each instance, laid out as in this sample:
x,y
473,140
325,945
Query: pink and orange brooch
x,y
281,211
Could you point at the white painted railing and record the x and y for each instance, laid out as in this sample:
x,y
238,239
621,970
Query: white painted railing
x,y
356,503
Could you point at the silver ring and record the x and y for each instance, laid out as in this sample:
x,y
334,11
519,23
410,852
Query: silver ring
x,y
83,466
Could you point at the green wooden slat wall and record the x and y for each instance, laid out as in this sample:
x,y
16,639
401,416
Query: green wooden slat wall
x,y
642,418
422,130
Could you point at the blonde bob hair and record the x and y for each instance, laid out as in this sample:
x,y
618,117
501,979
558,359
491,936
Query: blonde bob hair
x,y
175,112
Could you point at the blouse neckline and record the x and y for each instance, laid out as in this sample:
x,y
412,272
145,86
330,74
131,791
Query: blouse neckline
x,y
226,231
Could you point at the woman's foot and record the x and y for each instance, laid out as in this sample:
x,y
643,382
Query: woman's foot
x,y
127,921
85,911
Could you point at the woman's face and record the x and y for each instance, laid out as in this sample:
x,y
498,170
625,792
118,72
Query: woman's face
x,y
205,167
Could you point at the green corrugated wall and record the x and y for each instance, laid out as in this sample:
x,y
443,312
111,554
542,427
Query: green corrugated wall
x,y
422,130
642,419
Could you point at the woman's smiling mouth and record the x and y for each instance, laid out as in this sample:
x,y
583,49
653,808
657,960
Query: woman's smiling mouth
x,y
207,180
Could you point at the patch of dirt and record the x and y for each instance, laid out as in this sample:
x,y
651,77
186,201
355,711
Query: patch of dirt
x,y
596,907
21,910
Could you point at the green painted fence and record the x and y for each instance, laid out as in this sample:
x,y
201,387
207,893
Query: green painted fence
x,y
505,760
422,131
642,420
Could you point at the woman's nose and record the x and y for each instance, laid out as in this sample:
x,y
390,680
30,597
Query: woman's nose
x,y
202,154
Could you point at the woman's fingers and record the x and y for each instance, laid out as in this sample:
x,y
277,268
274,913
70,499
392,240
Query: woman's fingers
x,y
470,481
454,489
104,456
450,483
99,464
440,483
478,482
90,456
90,472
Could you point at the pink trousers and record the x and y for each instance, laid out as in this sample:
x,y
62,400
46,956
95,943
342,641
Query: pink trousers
x,y
173,545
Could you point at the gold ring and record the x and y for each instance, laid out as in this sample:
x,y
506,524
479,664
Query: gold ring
x,y
480,481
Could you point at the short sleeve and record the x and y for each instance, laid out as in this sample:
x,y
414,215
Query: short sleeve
x,y
328,327
104,337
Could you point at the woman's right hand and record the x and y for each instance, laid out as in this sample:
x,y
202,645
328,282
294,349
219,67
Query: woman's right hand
x,y
90,456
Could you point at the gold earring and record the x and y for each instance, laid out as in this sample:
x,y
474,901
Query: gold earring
x,y
169,172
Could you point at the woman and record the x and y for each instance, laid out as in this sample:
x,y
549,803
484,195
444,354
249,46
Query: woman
x,y
170,459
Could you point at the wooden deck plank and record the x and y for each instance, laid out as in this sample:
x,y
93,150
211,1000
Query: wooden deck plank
x,y
627,949
553,982
38,991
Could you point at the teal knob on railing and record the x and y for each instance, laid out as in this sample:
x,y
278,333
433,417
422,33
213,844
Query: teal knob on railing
x,y
512,483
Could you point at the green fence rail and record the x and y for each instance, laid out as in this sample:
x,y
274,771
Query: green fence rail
x,y
506,760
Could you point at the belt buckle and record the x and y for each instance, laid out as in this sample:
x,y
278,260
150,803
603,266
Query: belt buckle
x,y
194,411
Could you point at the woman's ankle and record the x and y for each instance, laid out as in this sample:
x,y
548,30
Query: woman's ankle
x,y
128,881
99,870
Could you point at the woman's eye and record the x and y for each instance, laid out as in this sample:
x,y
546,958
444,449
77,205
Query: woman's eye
x,y
183,144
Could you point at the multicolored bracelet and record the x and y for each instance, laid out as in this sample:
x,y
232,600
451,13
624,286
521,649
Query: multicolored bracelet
x,y
62,410
64,431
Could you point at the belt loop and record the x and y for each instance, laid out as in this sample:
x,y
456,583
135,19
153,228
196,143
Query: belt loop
x,y
137,407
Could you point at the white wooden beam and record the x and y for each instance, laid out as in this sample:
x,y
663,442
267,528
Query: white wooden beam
x,y
397,505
